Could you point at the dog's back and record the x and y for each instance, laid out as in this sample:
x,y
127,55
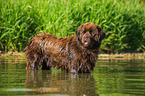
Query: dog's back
x,y
45,48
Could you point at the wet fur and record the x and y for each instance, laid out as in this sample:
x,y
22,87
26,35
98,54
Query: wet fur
x,y
77,53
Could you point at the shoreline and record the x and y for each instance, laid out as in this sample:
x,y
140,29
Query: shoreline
x,y
121,56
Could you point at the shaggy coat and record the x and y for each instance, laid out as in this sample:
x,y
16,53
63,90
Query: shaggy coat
x,y
77,53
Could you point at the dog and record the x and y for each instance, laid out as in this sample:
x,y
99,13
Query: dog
x,y
76,54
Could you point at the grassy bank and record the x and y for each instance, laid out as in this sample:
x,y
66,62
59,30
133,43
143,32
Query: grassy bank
x,y
126,57
122,57
123,21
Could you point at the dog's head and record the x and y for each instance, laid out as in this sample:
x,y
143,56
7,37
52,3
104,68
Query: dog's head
x,y
90,35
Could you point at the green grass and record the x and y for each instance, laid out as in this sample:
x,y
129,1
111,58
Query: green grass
x,y
123,21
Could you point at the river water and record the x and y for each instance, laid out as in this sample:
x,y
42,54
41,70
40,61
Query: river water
x,y
109,78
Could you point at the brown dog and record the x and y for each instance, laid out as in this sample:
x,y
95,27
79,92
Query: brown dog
x,y
77,53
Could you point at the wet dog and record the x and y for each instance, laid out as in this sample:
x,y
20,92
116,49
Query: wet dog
x,y
77,53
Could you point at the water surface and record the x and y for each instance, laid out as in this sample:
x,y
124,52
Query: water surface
x,y
114,78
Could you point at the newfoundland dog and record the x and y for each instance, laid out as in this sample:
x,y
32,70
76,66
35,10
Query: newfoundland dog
x,y
76,54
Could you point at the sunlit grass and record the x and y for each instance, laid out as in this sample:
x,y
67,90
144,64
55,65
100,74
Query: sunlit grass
x,y
123,21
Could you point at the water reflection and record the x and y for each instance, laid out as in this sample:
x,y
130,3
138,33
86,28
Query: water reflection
x,y
121,78
60,82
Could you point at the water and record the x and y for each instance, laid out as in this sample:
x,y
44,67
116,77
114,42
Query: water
x,y
118,78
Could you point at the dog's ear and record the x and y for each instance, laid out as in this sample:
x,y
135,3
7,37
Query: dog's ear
x,y
102,33
78,34
78,31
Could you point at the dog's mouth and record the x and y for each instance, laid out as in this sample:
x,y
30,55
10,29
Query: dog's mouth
x,y
86,43
91,43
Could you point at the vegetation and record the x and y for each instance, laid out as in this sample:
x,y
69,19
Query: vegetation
x,y
123,21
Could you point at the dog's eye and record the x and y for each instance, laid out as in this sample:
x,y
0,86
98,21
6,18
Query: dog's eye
x,y
92,33
95,35
84,32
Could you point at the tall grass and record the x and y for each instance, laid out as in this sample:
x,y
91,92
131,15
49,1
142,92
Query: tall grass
x,y
123,21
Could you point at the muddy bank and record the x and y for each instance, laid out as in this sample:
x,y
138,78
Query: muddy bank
x,y
126,56
123,56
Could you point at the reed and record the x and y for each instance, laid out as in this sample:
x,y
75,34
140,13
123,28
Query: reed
x,y
123,21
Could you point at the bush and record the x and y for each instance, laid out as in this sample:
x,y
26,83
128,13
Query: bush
x,y
123,21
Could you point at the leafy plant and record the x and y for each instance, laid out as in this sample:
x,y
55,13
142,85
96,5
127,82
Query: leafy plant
x,y
123,21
